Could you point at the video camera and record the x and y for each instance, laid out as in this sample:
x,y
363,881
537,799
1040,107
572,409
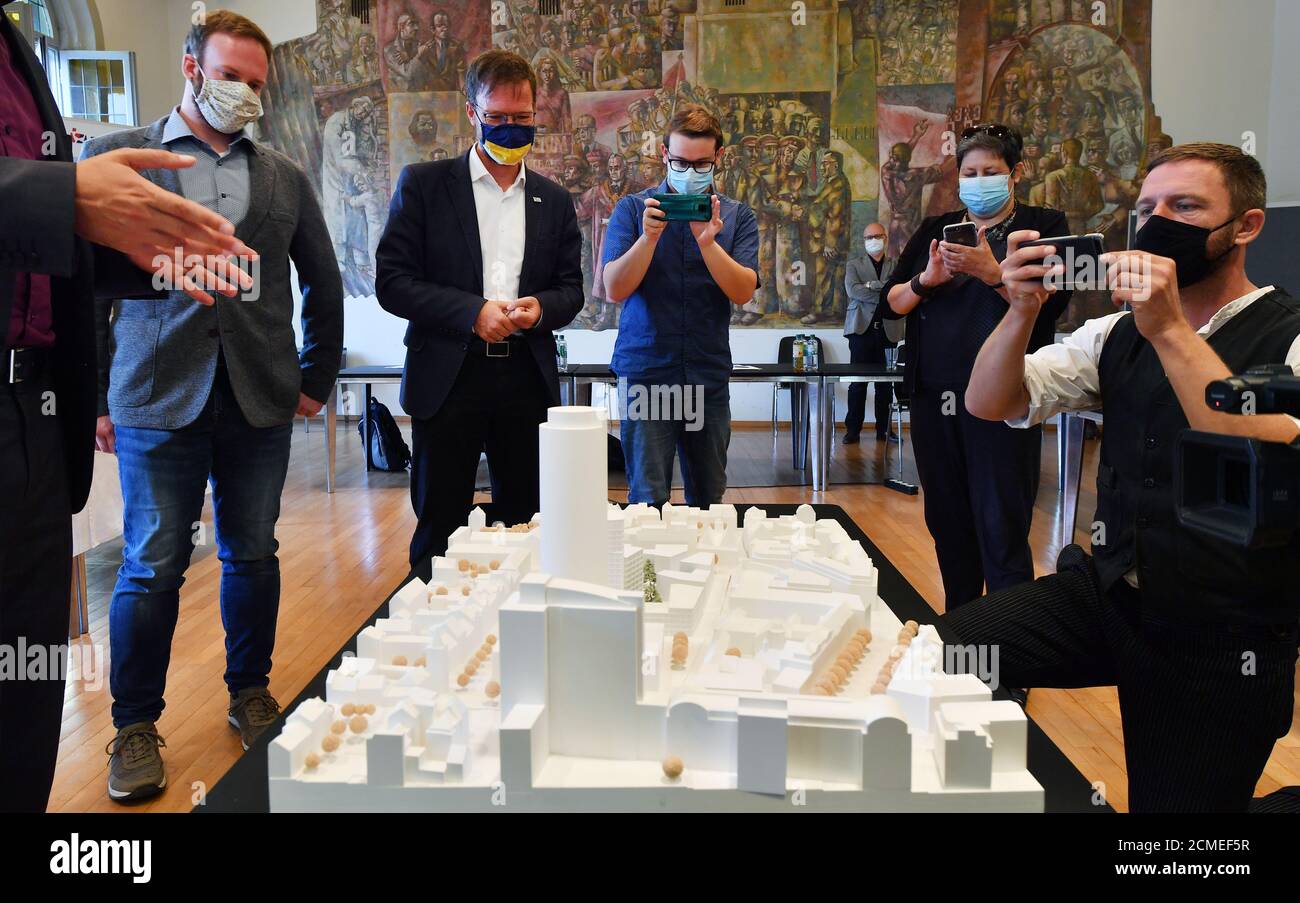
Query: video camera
x,y
1243,491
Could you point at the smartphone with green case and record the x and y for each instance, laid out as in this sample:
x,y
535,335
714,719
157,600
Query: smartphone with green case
x,y
697,208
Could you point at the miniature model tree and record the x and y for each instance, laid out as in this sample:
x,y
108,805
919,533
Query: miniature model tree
x,y
649,589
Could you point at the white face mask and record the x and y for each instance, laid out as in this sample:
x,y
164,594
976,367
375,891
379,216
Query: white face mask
x,y
875,245
228,106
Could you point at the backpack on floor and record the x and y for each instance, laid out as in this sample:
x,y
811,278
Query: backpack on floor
x,y
388,450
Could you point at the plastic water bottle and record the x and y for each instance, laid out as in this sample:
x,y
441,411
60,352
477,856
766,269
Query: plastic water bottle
x,y
561,352
799,350
813,355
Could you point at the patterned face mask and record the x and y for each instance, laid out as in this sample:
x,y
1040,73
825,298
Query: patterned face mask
x,y
228,106
508,143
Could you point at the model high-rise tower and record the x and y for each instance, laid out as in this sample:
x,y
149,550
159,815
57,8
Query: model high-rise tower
x,y
574,475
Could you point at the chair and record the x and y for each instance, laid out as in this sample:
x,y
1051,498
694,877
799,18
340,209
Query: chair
x,y
902,399
785,355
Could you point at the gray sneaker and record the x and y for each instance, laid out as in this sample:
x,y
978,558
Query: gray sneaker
x,y
253,710
135,769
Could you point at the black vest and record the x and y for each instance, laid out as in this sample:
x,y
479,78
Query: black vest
x,y
1183,576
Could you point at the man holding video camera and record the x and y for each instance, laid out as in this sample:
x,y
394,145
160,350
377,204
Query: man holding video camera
x,y
1198,636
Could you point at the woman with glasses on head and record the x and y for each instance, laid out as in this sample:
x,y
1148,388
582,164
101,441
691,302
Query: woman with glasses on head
x,y
979,477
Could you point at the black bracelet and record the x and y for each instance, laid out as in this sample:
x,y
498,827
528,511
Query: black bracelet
x,y
998,286
917,288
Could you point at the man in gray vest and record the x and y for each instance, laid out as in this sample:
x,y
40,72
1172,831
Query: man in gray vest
x,y
191,394
1198,636
864,277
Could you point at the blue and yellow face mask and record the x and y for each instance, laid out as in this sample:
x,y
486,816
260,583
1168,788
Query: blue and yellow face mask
x,y
507,143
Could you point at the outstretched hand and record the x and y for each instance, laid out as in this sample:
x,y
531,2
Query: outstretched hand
x,y
118,208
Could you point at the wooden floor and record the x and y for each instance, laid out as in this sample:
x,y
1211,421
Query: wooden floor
x,y
341,554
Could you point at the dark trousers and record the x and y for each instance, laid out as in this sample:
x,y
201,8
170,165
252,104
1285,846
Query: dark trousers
x,y
1201,706
35,576
495,404
868,348
979,480
163,475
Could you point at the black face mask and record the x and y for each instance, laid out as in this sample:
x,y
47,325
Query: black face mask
x,y
1185,244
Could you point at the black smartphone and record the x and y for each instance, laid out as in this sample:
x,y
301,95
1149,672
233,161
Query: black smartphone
x,y
961,234
1081,256
696,208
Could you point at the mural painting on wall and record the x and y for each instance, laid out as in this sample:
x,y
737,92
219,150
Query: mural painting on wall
x,y
818,144
1087,125
917,40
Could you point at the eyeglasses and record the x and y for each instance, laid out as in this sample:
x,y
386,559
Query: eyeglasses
x,y
503,118
1000,132
702,167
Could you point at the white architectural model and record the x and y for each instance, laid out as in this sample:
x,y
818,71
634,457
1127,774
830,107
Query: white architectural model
x,y
539,670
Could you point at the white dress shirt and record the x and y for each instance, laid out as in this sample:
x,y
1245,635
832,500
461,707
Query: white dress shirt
x,y
500,230
1064,377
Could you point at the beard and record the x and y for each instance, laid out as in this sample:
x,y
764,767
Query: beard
x,y
1219,252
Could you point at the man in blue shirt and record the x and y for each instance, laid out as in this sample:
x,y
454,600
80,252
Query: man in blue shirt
x,y
679,283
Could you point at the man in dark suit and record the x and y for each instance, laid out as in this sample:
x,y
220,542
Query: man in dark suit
x,y
53,210
484,259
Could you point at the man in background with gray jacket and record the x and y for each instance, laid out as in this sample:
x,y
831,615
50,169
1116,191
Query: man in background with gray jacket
x,y
864,277
190,394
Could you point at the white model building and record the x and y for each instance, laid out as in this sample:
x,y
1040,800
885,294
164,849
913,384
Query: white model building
x,y
531,672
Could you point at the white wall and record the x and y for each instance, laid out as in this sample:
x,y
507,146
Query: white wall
x,y
282,20
141,26
1220,70
1283,160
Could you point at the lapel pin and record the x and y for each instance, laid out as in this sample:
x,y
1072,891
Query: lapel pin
x,y
536,199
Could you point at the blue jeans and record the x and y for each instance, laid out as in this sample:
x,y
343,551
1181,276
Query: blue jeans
x,y
163,474
655,430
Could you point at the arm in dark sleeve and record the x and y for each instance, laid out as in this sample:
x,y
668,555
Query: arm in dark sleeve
x,y
37,228
744,250
115,275
312,253
402,284
913,260
563,301
103,351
